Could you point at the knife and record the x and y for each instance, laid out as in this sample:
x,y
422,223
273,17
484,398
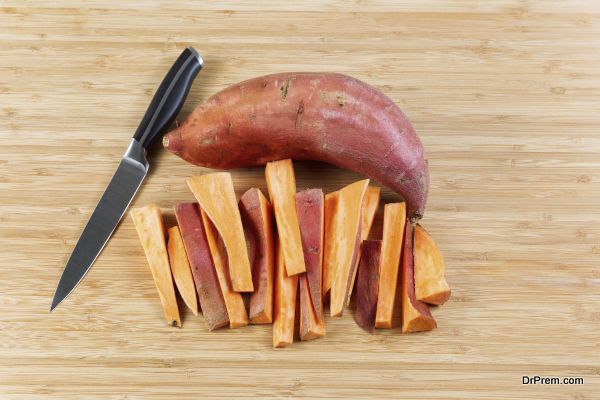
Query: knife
x,y
130,174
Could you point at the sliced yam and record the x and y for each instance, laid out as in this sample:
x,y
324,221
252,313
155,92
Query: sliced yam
x,y
310,208
151,230
346,243
182,272
311,326
367,216
190,223
368,210
394,221
281,183
284,308
416,316
430,284
216,196
257,216
233,300
367,285
329,241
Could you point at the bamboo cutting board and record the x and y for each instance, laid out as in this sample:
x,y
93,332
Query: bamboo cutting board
x,y
505,96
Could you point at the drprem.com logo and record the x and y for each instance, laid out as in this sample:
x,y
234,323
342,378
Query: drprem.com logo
x,y
552,380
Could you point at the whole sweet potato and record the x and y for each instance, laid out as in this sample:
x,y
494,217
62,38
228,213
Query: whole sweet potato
x,y
308,116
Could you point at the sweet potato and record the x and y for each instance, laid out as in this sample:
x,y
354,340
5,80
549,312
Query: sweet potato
x,y
151,230
196,246
394,217
329,242
367,216
430,283
233,300
216,196
346,233
309,204
368,210
182,272
257,217
367,286
311,326
281,183
307,116
416,316
284,307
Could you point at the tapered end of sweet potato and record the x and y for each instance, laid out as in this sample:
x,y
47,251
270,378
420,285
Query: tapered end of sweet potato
x,y
430,282
180,267
172,142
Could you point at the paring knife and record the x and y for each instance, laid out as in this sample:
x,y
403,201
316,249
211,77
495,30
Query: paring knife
x,y
161,113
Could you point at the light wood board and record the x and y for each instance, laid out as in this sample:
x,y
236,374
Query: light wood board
x,y
505,96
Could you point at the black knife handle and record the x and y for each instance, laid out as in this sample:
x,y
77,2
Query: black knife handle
x,y
169,97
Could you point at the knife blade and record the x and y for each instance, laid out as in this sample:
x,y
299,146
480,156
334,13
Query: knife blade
x,y
130,174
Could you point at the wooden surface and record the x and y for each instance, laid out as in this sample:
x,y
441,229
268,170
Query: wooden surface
x,y
505,96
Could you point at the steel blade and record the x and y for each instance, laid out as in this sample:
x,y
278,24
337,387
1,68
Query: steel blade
x,y
109,211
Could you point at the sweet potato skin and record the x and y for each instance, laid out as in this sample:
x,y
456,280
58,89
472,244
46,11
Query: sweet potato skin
x,y
257,216
189,219
308,116
310,325
310,207
367,285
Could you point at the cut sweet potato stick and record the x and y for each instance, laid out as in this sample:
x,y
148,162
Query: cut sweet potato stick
x,y
284,308
216,196
367,216
416,316
310,208
311,326
257,216
368,210
233,300
430,283
367,285
180,267
196,246
151,230
394,218
346,237
282,190
328,242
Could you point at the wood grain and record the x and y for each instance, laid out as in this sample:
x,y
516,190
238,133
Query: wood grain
x,y
505,96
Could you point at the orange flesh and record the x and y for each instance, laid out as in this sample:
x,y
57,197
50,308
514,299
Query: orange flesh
x,y
430,283
394,219
180,267
151,230
367,216
233,300
345,243
285,303
281,183
216,196
416,316
329,241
